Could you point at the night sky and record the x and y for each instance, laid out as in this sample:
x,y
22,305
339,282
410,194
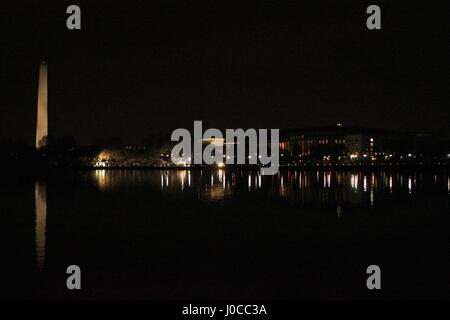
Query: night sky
x,y
143,67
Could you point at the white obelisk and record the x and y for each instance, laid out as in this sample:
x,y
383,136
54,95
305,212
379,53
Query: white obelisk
x,y
42,126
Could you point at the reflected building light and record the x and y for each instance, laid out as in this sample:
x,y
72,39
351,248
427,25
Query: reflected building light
x,y
354,181
259,180
162,181
327,179
189,178
224,180
373,182
167,178
100,176
448,184
372,196
182,180
212,179
40,194
300,178
249,182
390,183
365,184
410,184
220,175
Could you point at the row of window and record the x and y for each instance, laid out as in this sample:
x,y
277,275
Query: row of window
x,y
320,141
336,141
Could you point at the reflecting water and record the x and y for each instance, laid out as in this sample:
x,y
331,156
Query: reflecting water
x,y
41,222
181,233
320,187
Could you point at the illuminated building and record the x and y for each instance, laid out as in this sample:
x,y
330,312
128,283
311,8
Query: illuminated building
x,y
339,143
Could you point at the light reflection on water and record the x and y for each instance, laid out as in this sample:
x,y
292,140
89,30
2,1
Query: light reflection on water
x,y
40,193
364,188
333,189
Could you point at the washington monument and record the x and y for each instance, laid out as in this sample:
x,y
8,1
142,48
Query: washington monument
x,y
42,126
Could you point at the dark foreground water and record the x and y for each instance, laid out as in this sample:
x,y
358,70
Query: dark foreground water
x,y
221,234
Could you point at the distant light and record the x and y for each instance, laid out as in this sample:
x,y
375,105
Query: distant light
x,y
220,164
339,124
409,155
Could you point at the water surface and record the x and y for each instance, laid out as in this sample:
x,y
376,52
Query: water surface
x,y
225,234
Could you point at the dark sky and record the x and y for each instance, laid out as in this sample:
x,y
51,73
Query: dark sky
x,y
140,67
